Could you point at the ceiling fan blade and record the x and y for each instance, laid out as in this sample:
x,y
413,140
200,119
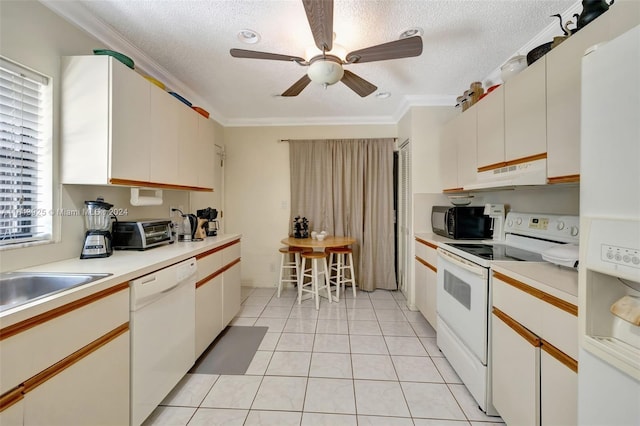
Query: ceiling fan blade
x,y
358,84
320,16
252,54
403,48
297,87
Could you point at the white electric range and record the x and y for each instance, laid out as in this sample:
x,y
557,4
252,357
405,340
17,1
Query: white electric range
x,y
464,290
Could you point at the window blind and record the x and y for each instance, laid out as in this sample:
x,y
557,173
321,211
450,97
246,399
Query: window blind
x,y
25,199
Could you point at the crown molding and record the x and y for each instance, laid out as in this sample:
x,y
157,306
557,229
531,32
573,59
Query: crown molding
x,y
312,121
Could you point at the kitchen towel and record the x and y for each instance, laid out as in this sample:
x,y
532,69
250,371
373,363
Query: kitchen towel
x,y
231,352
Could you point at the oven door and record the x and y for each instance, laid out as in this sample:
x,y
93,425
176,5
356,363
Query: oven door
x,y
463,293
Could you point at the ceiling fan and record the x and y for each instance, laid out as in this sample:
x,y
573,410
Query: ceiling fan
x,y
327,68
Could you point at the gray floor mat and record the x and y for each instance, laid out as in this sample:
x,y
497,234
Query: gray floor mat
x,y
231,352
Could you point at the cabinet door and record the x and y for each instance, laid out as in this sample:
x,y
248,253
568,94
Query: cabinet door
x,y
467,148
231,296
420,279
525,113
208,313
130,124
621,17
563,102
515,373
207,159
187,143
449,156
491,129
163,155
93,391
13,415
431,311
559,392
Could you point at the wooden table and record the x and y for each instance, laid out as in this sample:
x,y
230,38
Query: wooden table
x,y
330,241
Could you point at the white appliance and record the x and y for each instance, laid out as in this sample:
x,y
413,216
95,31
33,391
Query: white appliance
x,y
609,358
464,291
162,334
528,173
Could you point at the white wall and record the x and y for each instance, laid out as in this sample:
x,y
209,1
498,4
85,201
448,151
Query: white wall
x,y
33,36
257,189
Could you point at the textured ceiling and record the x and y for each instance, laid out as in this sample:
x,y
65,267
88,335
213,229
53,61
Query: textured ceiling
x,y
464,41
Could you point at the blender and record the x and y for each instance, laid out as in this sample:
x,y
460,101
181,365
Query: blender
x,y
97,239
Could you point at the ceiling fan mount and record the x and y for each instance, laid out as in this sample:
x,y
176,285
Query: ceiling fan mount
x,y
326,68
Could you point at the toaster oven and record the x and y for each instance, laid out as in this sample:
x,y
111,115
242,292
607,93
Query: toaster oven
x,y
141,234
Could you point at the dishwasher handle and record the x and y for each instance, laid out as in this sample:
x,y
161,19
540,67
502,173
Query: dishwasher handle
x,y
146,289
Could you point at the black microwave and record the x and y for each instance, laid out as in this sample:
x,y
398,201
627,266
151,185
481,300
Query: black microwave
x,y
461,223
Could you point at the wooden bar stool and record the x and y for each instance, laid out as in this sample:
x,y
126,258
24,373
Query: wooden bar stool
x,y
340,262
317,271
290,263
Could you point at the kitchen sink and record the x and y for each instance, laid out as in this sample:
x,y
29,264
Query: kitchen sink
x,y
17,288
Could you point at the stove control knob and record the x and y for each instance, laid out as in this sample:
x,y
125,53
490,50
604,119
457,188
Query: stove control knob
x,y
510,223
560,225
574,231
519,221
635,260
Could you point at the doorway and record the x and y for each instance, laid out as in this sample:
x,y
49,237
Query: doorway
x,y
403,216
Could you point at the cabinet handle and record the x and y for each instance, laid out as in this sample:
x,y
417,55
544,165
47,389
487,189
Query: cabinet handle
x,y
515,326
560,356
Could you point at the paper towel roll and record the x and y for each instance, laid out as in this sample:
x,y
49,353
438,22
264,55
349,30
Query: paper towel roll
x,y
137,200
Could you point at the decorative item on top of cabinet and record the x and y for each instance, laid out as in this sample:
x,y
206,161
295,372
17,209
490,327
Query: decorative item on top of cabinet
x,y
591,9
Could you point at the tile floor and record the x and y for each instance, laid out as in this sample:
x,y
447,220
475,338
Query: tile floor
x,y
362,361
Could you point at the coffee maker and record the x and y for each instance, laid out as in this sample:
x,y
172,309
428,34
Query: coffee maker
x,y
212,224
97,238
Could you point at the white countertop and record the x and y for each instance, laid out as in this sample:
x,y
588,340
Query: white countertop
x,y
552,279
123,265
556,280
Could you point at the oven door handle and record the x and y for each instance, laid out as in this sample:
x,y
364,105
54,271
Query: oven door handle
x,y
462,263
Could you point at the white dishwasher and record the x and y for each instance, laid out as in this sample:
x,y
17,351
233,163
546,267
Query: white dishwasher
x,y
162,334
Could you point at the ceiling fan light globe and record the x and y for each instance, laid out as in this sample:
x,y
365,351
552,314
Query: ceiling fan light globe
x,y
325,72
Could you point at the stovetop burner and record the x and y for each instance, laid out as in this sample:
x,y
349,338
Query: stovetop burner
x,y
499,252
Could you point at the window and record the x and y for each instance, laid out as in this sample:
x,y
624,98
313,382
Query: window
x,y
25,155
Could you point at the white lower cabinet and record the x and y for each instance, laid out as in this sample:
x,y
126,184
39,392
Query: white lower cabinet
x,y
92,391
558,396
426,279
515,373
218,292
231,293
533,381
70,365
208,313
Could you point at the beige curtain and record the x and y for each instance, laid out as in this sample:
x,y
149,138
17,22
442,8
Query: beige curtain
x,y
345,187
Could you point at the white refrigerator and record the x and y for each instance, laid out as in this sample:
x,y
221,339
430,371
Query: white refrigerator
x,y
609,269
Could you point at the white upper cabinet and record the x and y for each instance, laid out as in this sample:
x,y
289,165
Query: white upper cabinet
x,y
105,121
449,156
467,148
491,129
525,113
564,88
207,159
118,128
